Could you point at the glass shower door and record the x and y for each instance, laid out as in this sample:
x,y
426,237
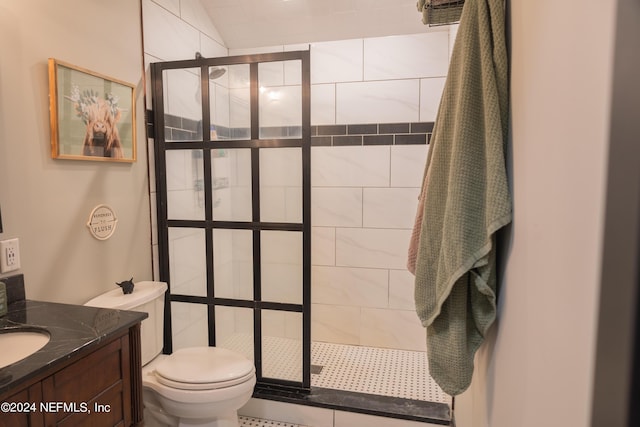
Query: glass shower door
x,y
232,152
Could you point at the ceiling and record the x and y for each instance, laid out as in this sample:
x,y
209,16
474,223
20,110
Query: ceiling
x,y
256,23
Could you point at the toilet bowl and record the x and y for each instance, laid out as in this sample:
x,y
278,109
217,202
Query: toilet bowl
x,y
195,386
203,386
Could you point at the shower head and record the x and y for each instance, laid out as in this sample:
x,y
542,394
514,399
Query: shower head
x,y
214,72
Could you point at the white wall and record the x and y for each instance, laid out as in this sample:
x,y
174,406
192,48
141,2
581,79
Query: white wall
x,y
175,30
537,367
46,202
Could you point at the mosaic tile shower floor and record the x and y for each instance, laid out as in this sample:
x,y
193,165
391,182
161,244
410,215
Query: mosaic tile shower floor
x,y
256,422
379,371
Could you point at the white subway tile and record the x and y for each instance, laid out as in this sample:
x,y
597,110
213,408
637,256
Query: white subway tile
x,y
378,102
225,324
181,93
406,56
361,287
293,72
293,204
281,167
243,319
323,246
373,248
400,329
281,266
281,184
194,13
389,207
335,323
273,323
338,207
401,290
356,166
323,104
271,74
172,6
223,276
210,48
186,255
453,32
273,204
166,36
194,335
281,247
336,61
185,204
292,325
189,325
430,94
219,101
281,283
407,165
281,106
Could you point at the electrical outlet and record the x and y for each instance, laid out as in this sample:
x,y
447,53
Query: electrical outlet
x,y
9,255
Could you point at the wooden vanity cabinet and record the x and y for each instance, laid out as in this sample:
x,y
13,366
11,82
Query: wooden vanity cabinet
x,y
100,388
15,419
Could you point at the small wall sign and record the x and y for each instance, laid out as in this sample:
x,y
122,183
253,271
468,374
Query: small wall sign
x,y
102,222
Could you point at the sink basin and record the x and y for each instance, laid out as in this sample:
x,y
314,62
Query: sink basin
x,y
16,344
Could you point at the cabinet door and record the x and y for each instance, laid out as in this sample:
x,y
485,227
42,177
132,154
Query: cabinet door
x,y
96,389
17,418
25,411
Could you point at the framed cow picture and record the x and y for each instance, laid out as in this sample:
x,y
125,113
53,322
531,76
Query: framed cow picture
x,y
92,116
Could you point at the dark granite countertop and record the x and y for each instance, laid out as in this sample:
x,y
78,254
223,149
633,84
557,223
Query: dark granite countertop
x,y
72,329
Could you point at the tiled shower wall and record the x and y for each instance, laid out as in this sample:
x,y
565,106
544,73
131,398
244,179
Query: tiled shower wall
x,y
371,102
364,201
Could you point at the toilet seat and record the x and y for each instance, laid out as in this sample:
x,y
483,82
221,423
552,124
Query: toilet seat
x,y
204,368
203,386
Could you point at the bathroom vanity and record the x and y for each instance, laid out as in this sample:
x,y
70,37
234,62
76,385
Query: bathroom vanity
x,y
88,373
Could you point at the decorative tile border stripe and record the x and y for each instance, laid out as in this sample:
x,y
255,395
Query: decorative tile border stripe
x,y
408,133
371,134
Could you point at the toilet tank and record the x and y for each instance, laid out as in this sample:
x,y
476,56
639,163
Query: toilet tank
x,y
146,297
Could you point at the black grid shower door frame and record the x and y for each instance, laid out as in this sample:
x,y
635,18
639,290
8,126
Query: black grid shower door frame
x,y
206,145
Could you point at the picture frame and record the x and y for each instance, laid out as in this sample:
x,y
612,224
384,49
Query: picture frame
x,y
92,115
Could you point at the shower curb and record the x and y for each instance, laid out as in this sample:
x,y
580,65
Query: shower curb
x,y
362,403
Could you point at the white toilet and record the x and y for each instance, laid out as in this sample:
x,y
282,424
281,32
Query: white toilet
x,y
196,386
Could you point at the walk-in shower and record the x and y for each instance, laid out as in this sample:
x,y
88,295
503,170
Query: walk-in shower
x,y
234,185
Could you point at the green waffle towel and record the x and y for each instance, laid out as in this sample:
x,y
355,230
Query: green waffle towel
x,y
466,198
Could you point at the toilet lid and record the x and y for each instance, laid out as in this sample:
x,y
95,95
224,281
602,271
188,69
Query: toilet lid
x,y
201,368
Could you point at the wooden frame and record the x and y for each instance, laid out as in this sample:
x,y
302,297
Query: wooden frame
x,y
92,116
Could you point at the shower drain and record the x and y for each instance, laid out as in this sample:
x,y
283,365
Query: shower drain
x,y
316,369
